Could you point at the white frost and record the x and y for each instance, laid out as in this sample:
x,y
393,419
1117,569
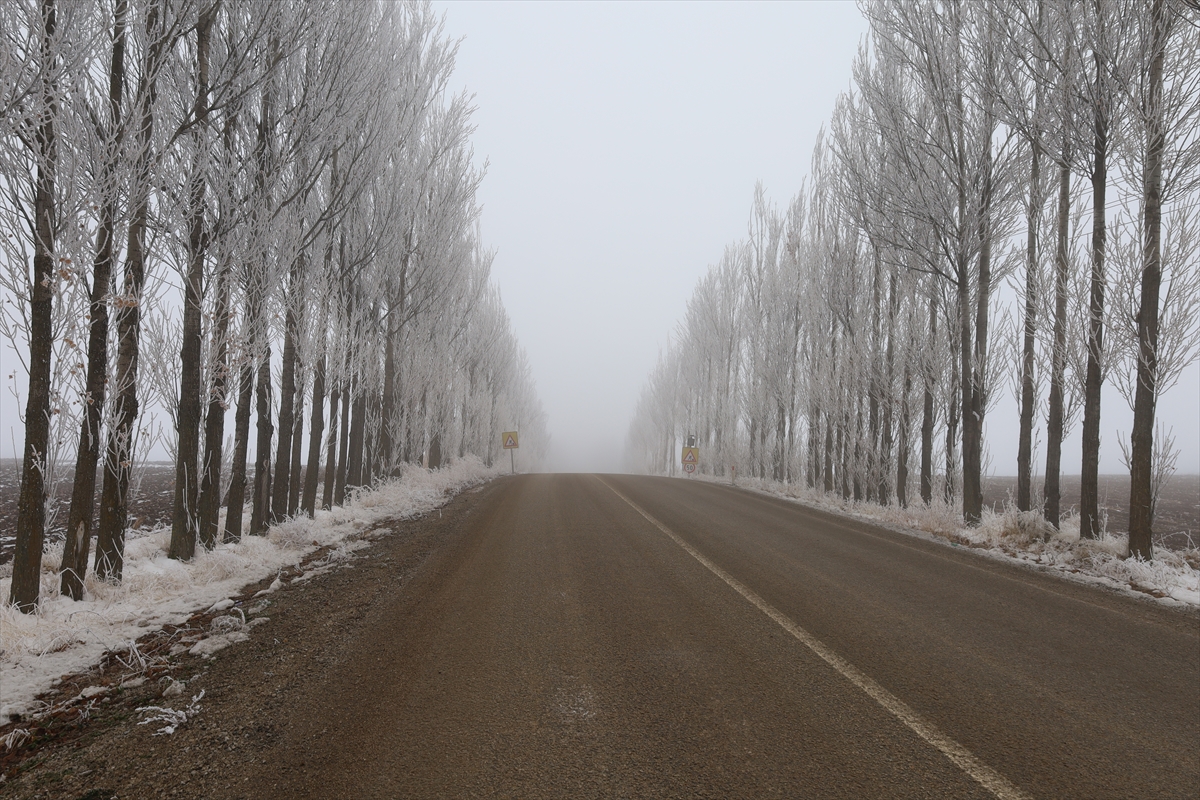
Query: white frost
x,y
65,636
1171,577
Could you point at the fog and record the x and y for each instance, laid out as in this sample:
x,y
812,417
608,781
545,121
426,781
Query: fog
x,y
623,142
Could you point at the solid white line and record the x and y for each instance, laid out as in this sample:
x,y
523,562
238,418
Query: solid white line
x,y
991,780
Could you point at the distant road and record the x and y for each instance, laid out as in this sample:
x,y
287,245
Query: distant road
x,y
618,636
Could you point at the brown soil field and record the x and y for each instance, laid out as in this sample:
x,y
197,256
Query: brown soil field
x,y
1176,517
151,505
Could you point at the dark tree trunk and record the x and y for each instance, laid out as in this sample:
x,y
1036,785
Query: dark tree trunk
x,y
858,447
241,450
953,409
358,427
185,519
828,465
435,451
331,457
974,413
1089,483
387,445
1141,467
31,503
885,443
1055,420
813,473
316,431
873,389
903,442
287,419
77,546
114,497
778,472
927,417
294,483
844,448
339,488
260,510
209,504
1029,339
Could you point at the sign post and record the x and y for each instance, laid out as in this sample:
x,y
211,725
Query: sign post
x,y
510,441
691,457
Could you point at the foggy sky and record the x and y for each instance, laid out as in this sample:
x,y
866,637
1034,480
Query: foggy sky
x,y
623,142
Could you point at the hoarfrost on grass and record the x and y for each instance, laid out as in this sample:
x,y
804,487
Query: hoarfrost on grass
x,y
64,636
1172,577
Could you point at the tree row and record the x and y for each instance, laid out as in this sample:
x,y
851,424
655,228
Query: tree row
x,y
1007,194
232,212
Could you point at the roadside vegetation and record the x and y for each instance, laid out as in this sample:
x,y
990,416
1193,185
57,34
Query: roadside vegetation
x,y
854,343
216,213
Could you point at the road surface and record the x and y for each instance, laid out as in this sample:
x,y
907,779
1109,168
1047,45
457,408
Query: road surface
x,y
618,636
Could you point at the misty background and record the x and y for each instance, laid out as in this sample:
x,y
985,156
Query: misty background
x,y
623,142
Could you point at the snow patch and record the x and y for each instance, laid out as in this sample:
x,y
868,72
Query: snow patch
x,y
1171,578
64,636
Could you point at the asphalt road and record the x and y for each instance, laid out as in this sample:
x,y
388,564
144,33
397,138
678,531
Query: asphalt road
x,y
616,636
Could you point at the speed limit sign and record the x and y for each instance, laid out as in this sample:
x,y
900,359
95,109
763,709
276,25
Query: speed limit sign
x,y
689,468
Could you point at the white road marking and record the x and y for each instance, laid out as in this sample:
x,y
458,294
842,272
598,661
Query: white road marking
x,y
963,758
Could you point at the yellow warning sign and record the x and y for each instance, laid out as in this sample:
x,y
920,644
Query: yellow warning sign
x,y
510,440
691,455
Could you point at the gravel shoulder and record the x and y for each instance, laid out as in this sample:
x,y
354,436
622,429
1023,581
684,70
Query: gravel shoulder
x,y
96,744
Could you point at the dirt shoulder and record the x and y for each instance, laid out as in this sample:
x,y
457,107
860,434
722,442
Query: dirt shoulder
x,y
97,744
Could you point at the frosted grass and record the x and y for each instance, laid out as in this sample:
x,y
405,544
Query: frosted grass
x,y
65,636
1173,577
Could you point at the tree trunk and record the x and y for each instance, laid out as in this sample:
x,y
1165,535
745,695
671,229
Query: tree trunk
x,y
316,432
332,450
828,465
185,520
339,489
973,433
287,396
903,444
953,410
885,443
1055,421
260,510
114,497
31,503
234,508
1089,483
294,483
1029,340
209,504
78,542
1141,467
358,427
927,418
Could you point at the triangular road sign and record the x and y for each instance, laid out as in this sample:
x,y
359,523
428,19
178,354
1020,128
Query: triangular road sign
x,y
691,455
510,440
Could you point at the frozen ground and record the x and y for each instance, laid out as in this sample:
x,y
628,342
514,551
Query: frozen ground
x,y
1173,577
66,636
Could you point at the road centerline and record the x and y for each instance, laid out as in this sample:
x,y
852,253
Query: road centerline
x,y
963,758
